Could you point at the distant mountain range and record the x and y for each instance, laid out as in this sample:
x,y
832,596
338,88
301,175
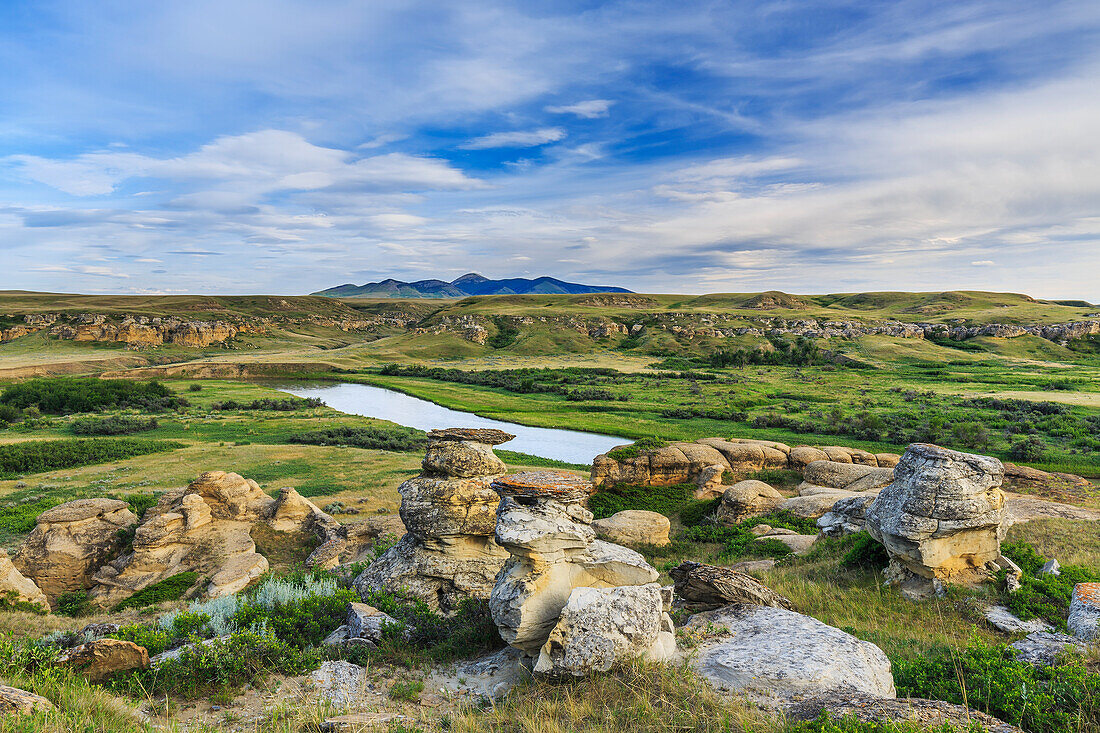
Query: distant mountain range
x,y
467,285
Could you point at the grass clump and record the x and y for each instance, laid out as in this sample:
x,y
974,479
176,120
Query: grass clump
x,y
113,425
169,589
396,439
668,500
865,553
35,456
74,603
69,395
1061,699
626,452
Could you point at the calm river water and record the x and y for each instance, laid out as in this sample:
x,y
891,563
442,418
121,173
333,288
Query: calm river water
x,y
370,401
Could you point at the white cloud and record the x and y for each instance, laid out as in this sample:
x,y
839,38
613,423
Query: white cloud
x,y
983,263
589,109
518,139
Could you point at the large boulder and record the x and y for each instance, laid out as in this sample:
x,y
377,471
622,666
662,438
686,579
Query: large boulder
x,y
850,476
15,587
449,553
746,499
776,656
634,527
943,516
70,541
814,504
598,627
707,587
1084,611
98,660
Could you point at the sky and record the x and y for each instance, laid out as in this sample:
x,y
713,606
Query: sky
x,y
285,146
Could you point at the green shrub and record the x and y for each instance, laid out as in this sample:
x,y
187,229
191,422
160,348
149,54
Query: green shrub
x,y
69,395
35,456
375,437
866,553
1032,448
21,518
226,665
668,500
153,638
737,541
625,452
408,691
10,414
169,589
73,603
290,404
9,601
826,723
506,334
194,387
140,502
1044,596
113,425
695,512
1061,699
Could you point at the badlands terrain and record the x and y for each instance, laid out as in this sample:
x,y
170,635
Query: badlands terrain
x,y
873,511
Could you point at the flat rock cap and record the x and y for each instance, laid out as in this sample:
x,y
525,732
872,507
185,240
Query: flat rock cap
x,y
489,436
548,484
75,511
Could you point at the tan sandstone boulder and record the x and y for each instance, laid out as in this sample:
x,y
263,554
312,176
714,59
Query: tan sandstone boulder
x,y
16,587
850,476
20,702
747,499
633,527
98,660
70,541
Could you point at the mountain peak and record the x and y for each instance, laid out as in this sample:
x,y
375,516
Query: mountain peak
x,y
470,277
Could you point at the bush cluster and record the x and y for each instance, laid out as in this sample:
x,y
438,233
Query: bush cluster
x,y
35,456
113,425
289,404
1061,699
625,452
169,589
69,395
375,437
1043,596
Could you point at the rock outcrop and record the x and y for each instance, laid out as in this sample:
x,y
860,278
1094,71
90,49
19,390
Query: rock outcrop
x,y
449,511
634,527
205,528
942,518
846,516
562,589
708,587
70,541
846,476
776,656
684,462
14,587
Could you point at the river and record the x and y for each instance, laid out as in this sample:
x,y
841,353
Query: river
x,y
573,446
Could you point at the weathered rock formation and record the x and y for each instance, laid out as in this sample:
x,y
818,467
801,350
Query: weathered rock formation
x,y
563,590
634,527
449,553
708,587
15,587
205,528
679,463
70,541
846,476
943,516
776,656
847,516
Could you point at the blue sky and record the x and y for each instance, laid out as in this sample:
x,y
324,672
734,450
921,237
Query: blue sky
x,y
246,146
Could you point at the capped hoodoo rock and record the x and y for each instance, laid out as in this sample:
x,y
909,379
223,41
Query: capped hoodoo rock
x,y
570,602
449,511
943,517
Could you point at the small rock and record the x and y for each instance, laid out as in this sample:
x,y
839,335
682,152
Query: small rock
x,y
707,587
339,682
800,544
1051,567
634,527
1006,621
924,714
747,499
1043,648
761,529
98,660
367,622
